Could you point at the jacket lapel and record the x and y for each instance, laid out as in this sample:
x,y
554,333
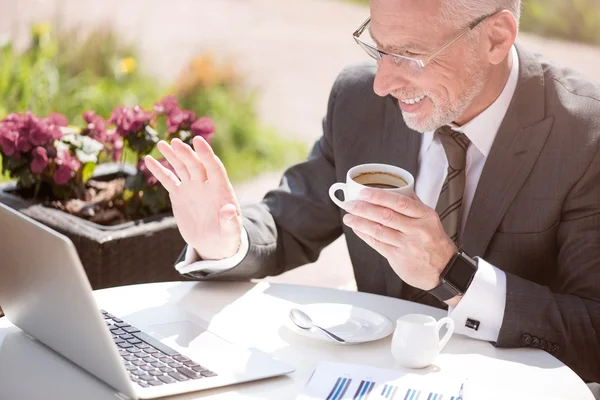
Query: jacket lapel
x,y
515,151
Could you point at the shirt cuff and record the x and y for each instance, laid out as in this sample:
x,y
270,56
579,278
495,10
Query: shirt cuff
x,y
192,262
480,312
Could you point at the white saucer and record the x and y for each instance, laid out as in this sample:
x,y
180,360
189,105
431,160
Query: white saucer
x,y
355,324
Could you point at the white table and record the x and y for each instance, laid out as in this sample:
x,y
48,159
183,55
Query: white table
x,y
253,315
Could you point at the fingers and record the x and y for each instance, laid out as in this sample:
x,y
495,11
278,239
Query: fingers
x,y
383,215
166,177
382,248
375,230
405,205
213,166
173,159
190,159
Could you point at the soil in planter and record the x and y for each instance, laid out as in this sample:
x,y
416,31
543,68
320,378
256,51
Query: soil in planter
x,y
101,204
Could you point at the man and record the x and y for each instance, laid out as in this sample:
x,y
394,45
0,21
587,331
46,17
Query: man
x,y
504,228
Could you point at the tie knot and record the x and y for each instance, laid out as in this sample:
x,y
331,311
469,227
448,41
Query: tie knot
x,y
456,145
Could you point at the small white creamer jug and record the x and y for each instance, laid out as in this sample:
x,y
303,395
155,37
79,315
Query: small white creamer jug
x,y
416,342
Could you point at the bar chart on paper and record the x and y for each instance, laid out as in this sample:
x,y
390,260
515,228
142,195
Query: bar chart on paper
x,y
338,381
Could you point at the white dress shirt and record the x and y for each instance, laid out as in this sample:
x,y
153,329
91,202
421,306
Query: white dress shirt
x,y
485,299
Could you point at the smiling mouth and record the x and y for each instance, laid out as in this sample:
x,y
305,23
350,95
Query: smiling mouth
x,y
415,100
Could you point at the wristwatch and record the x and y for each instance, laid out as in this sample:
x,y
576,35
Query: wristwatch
x,y
456,277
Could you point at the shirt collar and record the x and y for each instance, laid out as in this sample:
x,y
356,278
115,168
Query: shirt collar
x,y
482,129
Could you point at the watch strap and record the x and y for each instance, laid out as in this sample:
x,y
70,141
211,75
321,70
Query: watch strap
x,y
443,292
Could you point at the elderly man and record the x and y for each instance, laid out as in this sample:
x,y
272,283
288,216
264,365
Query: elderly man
x,y
504,227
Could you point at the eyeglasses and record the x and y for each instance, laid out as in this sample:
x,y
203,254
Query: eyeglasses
x,y
415,64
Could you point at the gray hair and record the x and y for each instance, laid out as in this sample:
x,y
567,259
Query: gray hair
x,y
460,12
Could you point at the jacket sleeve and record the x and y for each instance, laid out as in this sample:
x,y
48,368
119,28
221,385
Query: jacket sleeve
x,y
564,320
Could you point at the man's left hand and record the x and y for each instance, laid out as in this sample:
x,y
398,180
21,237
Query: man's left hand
x,y
405,231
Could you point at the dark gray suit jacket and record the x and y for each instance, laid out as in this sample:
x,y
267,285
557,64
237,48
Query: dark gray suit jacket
x,y
535,215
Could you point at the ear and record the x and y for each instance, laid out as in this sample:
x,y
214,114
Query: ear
x,y
502,32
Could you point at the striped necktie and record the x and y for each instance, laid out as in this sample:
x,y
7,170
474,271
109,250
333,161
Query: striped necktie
x,y
449,206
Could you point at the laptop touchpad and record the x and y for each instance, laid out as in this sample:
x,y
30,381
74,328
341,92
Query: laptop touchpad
x,y
182,333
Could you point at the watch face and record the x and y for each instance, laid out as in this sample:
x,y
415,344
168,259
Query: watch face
x,y
460,274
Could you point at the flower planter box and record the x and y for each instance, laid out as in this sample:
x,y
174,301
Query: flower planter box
x,y
139,251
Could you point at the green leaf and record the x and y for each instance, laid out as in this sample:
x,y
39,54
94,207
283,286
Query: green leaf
x,y
87,171
24,177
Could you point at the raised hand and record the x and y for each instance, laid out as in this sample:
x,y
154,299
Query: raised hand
x,y
204,204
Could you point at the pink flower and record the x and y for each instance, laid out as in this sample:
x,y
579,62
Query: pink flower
x,y
67,166
204,127
39,161
166,105
130,121
62,175
180,120
23,144
57,119
96,126
8,141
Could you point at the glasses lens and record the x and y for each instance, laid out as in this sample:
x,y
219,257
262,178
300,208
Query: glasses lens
x,y
370,50
409,64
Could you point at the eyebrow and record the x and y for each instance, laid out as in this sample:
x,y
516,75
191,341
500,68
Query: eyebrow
x,y
395,48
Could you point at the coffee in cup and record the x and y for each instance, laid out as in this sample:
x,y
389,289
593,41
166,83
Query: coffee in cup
x,y
380,180
380,176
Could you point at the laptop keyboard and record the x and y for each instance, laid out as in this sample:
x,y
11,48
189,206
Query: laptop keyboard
x,y
148,361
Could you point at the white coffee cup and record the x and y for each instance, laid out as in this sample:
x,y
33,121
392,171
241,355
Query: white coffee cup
x,y
382,176
416,342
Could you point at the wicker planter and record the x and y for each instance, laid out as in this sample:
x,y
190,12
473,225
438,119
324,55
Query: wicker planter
x,y
140,251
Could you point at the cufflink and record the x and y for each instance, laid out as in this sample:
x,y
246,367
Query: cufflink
x,y
472,324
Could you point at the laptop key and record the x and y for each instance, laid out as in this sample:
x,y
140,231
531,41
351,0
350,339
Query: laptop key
x,y
147,377
166,370
155,373
134,341
208,374
178,376
127,336
181,358
155,382
189,373
125,345
139,363
119,340
134,349
166,379
131,368
174,364
130,329
155,343
157,364
118,331
129,358
139,373
121,324
147,368
149,359
151,350
199,368
191,364
143,384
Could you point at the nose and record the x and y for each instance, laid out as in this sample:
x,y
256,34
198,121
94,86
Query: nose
x,y
389,77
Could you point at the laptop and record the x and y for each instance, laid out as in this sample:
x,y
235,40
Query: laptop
x,y
45,292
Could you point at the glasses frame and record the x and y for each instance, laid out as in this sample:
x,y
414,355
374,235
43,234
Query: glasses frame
x,y
421,62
